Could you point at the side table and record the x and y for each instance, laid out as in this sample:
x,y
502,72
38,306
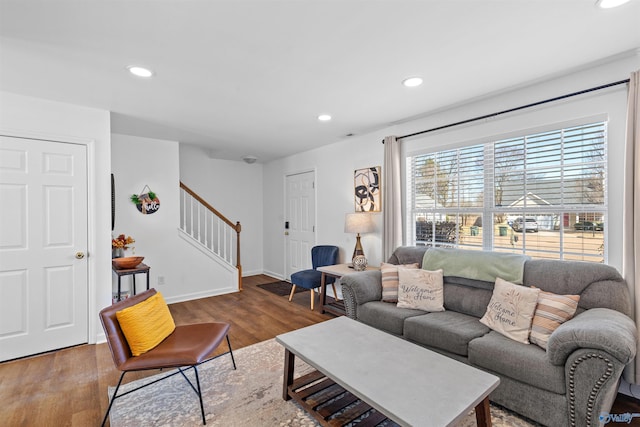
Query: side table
x,y
337,271
139,269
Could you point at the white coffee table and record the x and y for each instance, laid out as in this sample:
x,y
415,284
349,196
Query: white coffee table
x,y
406,383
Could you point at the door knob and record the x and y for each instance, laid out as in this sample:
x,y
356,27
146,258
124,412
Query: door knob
x,y
79,255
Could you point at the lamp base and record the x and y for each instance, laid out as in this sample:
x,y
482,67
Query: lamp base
x,y
358,249
359,263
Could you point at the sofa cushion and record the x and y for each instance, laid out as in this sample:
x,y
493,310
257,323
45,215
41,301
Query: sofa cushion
x,y
466,299
511,309
389,274
447,330
598,285
526,363
385,316
408,255
420,289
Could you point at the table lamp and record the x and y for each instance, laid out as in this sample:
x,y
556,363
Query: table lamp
x,y
358,223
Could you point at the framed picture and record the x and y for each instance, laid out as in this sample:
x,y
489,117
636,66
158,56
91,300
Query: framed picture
x,y
367,189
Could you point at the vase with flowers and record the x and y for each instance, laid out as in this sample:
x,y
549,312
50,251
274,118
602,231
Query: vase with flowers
x,y
120,244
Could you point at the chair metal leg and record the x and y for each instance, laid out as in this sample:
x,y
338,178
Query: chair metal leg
x,y
179,371
313,298
231,353
204,420
293,290
115,394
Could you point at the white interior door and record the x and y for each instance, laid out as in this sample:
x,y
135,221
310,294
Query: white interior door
x,y
301,218
43,241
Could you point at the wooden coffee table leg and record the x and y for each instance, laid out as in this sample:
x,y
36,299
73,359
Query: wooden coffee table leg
x,y
483,413
289,362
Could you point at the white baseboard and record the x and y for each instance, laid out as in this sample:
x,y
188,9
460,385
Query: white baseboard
x,y
251,273
101,338
198,295
272,274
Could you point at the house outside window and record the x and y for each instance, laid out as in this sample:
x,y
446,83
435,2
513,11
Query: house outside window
x,y
542,194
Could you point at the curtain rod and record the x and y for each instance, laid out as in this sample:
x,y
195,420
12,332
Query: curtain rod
x,y
510,110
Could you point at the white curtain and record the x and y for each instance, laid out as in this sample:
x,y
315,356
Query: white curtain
x,y
392,197
631,213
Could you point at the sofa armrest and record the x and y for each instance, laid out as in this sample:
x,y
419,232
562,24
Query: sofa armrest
x,y
360,288
598,328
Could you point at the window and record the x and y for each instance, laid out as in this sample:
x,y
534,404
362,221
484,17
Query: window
x,y
542,194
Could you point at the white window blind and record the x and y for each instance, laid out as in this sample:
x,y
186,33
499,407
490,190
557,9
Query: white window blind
x,y
542,194
446,193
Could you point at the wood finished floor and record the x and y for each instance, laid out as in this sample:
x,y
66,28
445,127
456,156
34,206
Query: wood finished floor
x,y
69,387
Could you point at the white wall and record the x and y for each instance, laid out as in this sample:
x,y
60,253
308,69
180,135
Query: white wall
x,y
235,190
335,163
188,273
38,118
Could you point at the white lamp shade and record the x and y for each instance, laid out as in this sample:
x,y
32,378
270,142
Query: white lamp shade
x,y
358,223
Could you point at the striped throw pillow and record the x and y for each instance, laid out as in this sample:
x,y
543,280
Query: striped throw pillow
x,y
390,280
551,312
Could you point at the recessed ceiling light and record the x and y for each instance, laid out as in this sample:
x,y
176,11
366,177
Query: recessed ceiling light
x,y
412,82
139,71
324,117
608,4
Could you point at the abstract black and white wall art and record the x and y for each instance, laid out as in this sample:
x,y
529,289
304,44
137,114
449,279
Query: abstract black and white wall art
x,y
367,189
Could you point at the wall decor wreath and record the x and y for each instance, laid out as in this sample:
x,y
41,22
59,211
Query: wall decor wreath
x,y
147,203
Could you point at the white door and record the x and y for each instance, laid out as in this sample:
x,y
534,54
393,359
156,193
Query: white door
x,y
43,243
301,220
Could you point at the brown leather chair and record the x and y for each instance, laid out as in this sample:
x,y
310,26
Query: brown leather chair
x,y
187,347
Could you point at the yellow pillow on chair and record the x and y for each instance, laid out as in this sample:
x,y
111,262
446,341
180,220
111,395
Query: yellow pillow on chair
x,y
146,324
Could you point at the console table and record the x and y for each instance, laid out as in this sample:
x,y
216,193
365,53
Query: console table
x,y
337,271
139,269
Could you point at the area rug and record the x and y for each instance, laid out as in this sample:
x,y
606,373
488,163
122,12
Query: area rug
x,y
280,288
249,396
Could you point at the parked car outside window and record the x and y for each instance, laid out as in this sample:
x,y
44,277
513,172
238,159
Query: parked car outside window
x,y
530,224
588,225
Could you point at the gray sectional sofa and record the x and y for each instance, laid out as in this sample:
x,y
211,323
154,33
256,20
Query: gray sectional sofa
x,y
572,383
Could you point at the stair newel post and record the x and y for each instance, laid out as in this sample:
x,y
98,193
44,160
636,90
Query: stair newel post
x,y
238,263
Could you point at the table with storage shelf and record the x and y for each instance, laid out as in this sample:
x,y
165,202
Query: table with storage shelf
x,y
338,270
365,376
138,269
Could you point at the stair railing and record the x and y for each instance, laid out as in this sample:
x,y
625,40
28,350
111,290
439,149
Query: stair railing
x,y
210,228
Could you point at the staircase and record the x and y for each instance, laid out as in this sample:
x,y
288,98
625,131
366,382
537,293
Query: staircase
x,y
209,230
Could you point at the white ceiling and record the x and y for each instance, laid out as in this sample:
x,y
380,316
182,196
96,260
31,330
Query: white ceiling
x,y
250,77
